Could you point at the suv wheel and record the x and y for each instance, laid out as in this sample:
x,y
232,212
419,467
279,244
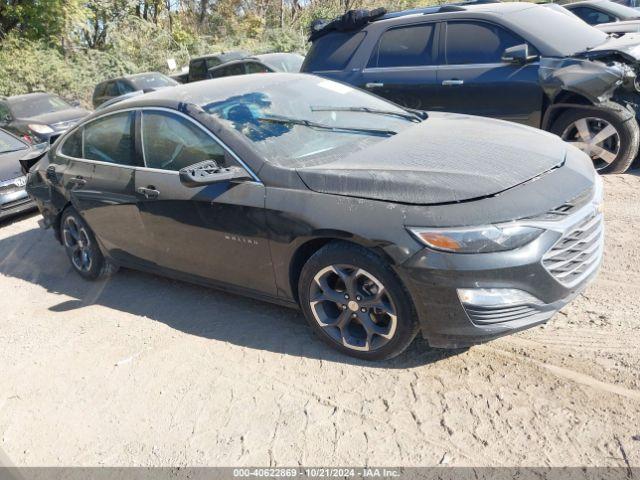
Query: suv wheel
x,y
82,248
606,134
355,302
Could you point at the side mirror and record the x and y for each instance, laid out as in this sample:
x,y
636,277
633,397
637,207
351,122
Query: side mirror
x,y
518,54
6,119
208,172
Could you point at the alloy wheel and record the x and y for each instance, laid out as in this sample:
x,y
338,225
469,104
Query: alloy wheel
x,y
353,307
596,137
77,242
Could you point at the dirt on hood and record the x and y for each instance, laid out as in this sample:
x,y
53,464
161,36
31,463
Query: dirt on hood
x,y
447,158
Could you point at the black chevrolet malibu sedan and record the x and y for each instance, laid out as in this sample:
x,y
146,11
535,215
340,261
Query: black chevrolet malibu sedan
x,y
378,222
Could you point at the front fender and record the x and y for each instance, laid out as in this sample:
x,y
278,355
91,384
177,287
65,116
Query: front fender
x,y
591,79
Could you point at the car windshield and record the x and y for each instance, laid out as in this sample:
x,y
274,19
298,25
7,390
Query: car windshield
x,y
565,34
32,105
152,80
621,11
288,62
9,143
299,143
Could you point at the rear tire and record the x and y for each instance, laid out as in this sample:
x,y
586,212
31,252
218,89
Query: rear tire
x,y
356,303
82,248
619,135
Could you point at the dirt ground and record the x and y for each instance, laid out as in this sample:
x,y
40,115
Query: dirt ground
x,y
141,370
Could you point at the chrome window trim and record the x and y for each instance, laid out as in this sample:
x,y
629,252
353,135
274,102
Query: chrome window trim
x,y
145,168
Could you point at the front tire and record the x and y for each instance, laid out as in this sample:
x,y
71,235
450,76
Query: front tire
x,y
82,248
608,134
355,302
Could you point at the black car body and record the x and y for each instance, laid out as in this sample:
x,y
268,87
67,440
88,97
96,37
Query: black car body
x,y
15,157
610,17
38,117
116,87
265,63
199,66
484,227
514,61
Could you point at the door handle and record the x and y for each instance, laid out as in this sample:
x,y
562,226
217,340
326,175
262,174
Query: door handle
x,y
149,192
453,82
78,181
373,85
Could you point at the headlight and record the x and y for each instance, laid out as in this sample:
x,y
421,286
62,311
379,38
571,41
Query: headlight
x,y
486,239
38,128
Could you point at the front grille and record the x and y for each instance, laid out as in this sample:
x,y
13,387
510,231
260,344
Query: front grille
x,y
16,203
488,315
578,252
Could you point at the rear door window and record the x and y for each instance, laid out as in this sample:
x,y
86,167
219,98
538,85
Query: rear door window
x,y
477,42
332,51
171,142
405,47
111,139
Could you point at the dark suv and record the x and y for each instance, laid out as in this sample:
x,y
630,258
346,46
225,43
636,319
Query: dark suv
x,y
515,61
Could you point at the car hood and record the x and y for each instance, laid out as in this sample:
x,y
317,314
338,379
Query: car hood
x,y
627,45
52,118
626,26
447,158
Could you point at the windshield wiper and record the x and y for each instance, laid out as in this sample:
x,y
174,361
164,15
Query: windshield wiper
x,y
411,116
322,126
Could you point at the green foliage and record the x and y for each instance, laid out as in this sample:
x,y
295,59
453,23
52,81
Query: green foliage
x,y
67,46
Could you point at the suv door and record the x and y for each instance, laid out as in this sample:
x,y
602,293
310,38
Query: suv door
x,y
475,80
215,232
96,164
403,66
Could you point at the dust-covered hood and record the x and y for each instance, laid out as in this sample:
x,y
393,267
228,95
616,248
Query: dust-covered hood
x,y
447,158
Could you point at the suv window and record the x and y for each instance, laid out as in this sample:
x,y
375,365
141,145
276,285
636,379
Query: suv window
x,y
197,69
476,42
72,146
593,16
231,70
254,67
110,139
112,90
213,62
99,91
405,47
170,142
124,87
332,51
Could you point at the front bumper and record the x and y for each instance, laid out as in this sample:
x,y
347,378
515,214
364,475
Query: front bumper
x,y
554,268
15,203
